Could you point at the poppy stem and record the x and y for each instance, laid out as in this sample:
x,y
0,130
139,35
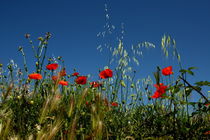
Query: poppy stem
x,y
194,88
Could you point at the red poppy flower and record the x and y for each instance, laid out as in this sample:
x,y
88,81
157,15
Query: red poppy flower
x,y
106,73
208,104
86,103
75,74
81,80
207,133
63,72
54,78
167,71
35,76
114,104
53,66
160,90
95,84
63,83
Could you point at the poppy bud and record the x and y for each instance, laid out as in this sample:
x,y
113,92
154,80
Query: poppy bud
x,y
20,48
40,39
59,57
122,83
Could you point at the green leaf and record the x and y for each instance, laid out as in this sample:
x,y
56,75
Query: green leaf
x,y
191,68
183,71
190,72
203,83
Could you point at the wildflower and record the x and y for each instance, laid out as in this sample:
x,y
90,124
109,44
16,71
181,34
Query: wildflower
x,y
35,76
53,66
207,133
87,103
54,78
160,90
81,80
208,104
63,83
167,71
95,84
106,73
75,74
114,104
63,72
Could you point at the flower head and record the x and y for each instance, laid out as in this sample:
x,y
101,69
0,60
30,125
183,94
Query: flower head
x,y
160,90
208,104
207,133
95,84
167,71
54,78
63,83
53,66
114,104
106,73
75,74
63,72
81,80
35,76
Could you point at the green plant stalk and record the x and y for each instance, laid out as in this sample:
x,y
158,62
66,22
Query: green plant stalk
x,y
44,56
24,62
194,88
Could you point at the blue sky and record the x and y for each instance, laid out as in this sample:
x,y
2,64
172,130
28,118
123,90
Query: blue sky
x,y
74,25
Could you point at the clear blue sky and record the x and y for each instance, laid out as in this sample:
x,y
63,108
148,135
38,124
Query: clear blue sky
x,y
74,25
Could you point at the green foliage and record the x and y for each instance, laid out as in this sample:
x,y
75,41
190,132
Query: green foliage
x,y
43,109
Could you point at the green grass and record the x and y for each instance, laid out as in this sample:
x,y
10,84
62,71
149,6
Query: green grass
x,y
44,110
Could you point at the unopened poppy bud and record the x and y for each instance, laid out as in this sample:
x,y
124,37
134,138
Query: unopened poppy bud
x,y
48,35
122,83
132,85
59,57
113,92
1,65
37,63
103,88
19,97
20,48
40,39
31,102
